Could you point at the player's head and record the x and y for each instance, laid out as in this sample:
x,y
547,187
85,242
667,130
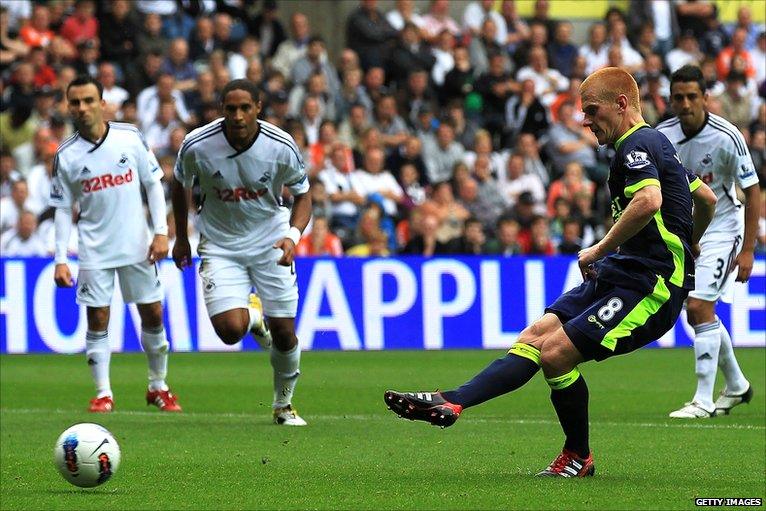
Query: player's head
x,y
688,97
86,104
241,105
609,96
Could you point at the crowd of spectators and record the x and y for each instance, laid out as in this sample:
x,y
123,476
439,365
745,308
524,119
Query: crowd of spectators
x,y
430,133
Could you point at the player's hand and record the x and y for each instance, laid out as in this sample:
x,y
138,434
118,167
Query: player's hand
x,y
182,255
62,276
158,249
585,259
744,261
288,251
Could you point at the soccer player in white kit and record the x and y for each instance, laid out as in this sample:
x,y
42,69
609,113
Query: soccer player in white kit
x,y
715,150
102,167
247,237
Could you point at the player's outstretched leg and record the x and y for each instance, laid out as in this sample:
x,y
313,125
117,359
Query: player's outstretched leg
x,y
285,359
738,390
443,408
259,327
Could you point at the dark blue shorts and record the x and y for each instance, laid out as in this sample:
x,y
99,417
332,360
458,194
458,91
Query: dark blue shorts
x,y
603,319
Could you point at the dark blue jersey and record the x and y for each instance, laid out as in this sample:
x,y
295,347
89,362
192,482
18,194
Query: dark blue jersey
x,y
645,157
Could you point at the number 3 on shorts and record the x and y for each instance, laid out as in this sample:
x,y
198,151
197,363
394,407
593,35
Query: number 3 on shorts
x,y
612,307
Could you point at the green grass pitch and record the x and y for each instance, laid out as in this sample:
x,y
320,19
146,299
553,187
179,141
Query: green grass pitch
x,y
223,452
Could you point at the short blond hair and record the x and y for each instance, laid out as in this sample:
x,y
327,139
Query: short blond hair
x,y
609,82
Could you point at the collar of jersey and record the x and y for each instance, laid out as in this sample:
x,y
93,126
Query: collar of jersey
x,y
628,133
697,132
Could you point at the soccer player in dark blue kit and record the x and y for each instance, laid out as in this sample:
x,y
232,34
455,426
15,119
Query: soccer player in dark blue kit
x,y
635,279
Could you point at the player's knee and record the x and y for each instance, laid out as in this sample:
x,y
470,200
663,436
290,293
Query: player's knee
x,y
698,312
229,334
284,338
532,333
151,315
555,356
98,318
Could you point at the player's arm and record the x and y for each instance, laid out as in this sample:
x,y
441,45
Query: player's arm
x,y
150,174
299,219
155,200
639,212
744,260
704,208
179,197
62,223
61,198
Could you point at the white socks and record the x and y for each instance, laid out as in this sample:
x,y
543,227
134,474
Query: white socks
x,y
736,383
156,347
286,371
99,353
707,343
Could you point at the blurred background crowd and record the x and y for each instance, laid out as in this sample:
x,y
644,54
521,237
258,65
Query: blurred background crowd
x,y
437,127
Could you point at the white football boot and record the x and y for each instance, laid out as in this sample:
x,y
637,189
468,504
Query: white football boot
x,y
692,410
288,416
726,401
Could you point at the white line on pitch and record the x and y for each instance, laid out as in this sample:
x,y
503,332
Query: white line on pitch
x,y
382,417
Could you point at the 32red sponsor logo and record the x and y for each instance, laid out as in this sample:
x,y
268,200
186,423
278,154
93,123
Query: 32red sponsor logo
x,y
95,184
238,194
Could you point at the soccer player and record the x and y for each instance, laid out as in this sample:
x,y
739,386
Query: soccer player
x,y
102,167
247,236
714,148
629,298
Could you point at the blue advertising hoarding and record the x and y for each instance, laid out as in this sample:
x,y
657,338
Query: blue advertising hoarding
x,y
347,304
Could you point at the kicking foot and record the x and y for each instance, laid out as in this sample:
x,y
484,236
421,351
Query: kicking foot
x,y
423,406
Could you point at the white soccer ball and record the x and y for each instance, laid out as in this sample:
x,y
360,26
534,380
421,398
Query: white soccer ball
x,y
87,455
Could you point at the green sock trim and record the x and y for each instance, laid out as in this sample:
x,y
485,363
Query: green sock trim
x,y
527,351
565,380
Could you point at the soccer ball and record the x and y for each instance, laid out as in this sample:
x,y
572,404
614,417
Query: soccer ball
x,y
86,455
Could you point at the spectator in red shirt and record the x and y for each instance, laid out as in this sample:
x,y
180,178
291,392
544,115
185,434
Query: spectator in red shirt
x,y
539,241
737,47
82,24
320,242
37,32
44,74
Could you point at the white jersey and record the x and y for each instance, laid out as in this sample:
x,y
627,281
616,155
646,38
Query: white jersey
x,y
241,211
104,179
719,156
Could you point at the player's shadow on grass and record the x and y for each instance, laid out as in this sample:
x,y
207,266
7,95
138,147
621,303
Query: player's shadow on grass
x,y
78,491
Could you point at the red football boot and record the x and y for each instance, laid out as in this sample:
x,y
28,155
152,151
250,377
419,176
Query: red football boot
x,y
101,404
163,399
569,464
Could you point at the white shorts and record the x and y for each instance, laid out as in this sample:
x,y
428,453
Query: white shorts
x,y
139,283
227,282
713,278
